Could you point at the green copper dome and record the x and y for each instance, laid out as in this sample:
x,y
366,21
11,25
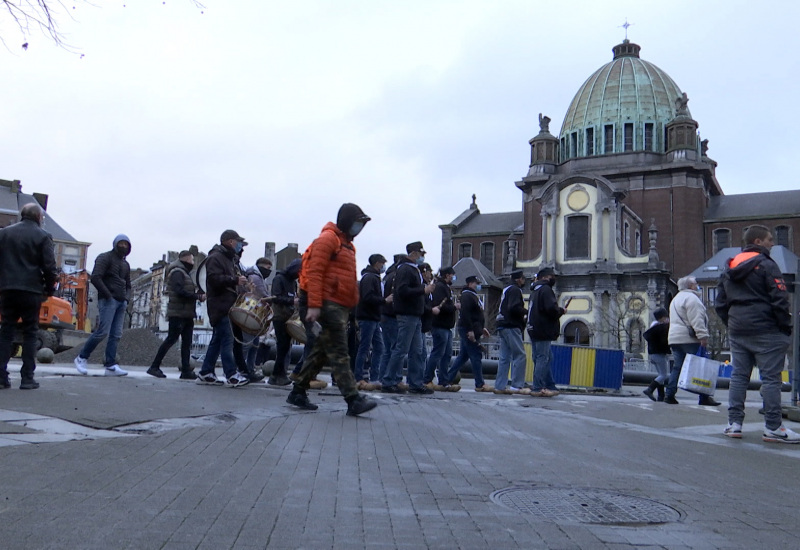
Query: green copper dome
x,y
622,107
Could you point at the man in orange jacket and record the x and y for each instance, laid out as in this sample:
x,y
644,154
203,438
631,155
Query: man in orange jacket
x,y
330,284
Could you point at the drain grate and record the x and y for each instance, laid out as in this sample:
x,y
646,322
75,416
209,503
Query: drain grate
x,y
585,506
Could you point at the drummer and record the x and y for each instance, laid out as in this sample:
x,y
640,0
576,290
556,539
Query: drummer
x,y
284,303
222,281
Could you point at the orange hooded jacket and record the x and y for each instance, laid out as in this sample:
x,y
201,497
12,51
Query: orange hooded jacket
x,y
329,269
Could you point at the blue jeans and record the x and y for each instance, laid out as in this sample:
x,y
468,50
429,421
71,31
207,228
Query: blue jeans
x,y
389,332
659,361
371,337
409,342
768,351
221,344
441,355
512,354
112,316
679,353
469,350
542,365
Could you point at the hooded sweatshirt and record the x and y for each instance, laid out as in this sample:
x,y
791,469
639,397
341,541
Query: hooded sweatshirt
x,y
111,275
752,296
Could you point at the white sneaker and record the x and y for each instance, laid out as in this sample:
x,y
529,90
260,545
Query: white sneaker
x,y
781,435
80,365
238,380
733,430
114,370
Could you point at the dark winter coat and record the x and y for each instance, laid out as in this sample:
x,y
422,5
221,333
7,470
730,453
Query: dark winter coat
x,y
544,313
111,275
512,308
752,296
657,339
471,318
182,292
387,309
27,260
443,298
409,290
427,314
221,280
284,291
370,295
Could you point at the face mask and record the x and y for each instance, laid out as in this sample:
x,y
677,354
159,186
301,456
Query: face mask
x,y
239,247
356,228
187,265
478,288
421,260
122,250
383,269
264,272
453,280
551,282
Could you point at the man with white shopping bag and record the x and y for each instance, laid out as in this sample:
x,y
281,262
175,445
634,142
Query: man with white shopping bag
x,y
688,331
753,302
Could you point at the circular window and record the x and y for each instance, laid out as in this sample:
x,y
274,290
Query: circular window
x,y
578,200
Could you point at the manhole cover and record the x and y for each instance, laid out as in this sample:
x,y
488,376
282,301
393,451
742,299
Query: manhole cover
x,y
585,506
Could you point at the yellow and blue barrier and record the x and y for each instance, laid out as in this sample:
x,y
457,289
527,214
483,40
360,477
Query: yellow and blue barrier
x,y
582,366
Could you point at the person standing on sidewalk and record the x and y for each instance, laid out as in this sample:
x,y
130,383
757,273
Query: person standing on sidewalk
x,y
328,279
222,281
544,327
510,324
753,303
284,300
471,327
409,305
27,276
444,319
657,351
111,277
688,330
181,312
368,316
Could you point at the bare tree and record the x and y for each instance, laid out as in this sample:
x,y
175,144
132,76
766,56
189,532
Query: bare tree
x,y
43,16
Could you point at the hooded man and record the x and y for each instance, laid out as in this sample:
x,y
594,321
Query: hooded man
x,y
284,298
330,287
222,279
368,316
27,274
181,312
111,277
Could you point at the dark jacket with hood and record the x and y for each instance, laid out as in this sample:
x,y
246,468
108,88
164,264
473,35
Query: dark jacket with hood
x,y
284,291
27,260
752,296
409,290
387,310
183,295
657,339
370,295
512,308
443,298
221,280
472,318
544,313
111,275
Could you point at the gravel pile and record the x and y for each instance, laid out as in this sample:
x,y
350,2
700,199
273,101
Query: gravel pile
x,y
137,347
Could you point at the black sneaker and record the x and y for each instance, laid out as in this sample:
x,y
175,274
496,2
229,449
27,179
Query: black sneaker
x,y
282,380
29,384
188,375
392,389
359,404
257,376
300,399
708,401
670,401
421,391
157,372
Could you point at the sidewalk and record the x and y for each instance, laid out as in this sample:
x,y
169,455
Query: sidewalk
x,y
146,463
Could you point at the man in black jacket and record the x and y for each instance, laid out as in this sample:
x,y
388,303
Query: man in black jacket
x,y
471,327
544,327
368,316
27,274
409,305
111,277
388,318
181,311
444,312
222,281
510,324
753,302
284,298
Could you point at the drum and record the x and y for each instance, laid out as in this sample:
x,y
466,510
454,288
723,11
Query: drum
x,y
200,276
296,329
251,314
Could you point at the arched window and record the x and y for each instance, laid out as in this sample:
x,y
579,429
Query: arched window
x,y
722,239
638,243
783,236
465,250
635,338
577,334
487,255
626,237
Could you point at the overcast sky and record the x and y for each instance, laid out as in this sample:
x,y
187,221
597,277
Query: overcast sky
x,y
261,116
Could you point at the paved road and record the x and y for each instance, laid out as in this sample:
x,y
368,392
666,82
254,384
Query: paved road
x,y
141,463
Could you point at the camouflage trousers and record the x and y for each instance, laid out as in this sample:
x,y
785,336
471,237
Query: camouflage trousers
x,y
330,349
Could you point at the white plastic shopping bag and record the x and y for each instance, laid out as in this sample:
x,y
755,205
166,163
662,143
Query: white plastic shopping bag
x,y
699,375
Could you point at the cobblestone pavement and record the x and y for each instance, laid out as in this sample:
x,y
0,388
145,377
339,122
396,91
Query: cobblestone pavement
x,y
137,462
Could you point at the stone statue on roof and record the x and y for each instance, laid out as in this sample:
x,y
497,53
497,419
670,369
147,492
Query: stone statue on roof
x,y
544,124
681,105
